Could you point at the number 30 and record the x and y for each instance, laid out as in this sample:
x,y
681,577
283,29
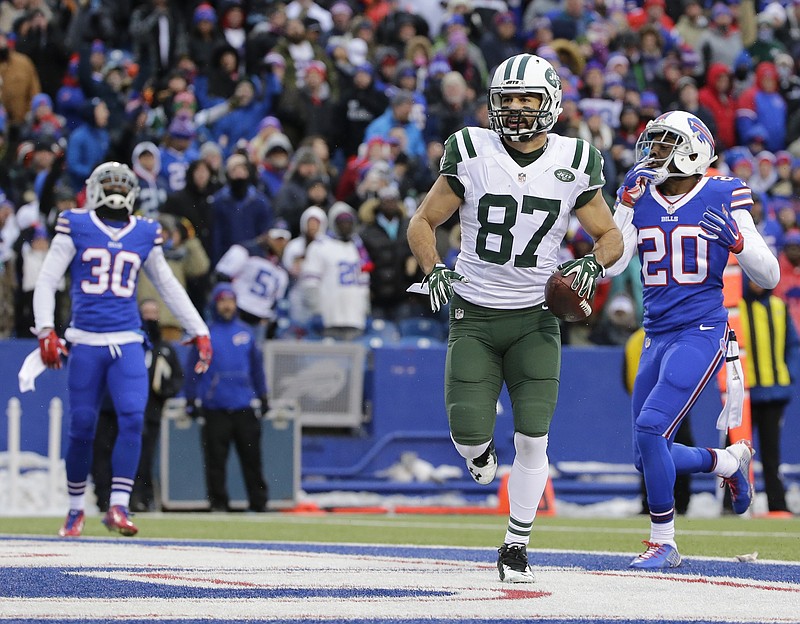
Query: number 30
x,y
111,276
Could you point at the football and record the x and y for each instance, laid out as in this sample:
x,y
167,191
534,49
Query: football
x,y
564,302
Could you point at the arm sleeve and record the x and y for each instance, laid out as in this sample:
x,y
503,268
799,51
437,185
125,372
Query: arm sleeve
x,y
61,252
173,293
623,217
756,259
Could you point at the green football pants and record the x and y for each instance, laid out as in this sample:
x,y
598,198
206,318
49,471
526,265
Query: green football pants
x,y
487,347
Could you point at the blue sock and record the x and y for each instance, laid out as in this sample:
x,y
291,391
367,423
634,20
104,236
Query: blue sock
x,y
659,471
691,459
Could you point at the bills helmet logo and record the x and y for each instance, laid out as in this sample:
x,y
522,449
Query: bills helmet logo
x,y
703,133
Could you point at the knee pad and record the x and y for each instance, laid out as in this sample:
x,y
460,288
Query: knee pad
x,y
469,451
130,424
82,424
531,452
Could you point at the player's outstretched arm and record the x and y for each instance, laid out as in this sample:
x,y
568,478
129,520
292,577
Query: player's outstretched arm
x,y
595,217
180,305
55,264
756,258
439,205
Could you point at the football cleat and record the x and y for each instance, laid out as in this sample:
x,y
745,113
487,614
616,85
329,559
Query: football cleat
x,y
116,519
657,557
484,467
73,525
739,483
512,563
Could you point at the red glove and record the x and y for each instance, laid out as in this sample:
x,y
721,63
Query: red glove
x,y
204,353
51,348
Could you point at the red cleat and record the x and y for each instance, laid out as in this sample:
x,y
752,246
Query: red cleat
x,y
73,525
116,519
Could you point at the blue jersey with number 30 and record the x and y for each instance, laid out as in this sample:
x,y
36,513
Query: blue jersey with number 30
x,y
681,272
105,269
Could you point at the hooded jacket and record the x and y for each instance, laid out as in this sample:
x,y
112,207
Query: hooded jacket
x,y
152,191
236,374
721,106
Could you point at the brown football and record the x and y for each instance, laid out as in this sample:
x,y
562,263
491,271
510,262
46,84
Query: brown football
x,y
564,302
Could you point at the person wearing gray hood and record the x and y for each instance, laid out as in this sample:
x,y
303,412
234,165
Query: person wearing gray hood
x,y
146,161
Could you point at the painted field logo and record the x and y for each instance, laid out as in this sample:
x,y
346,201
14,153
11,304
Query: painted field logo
x,y
564,175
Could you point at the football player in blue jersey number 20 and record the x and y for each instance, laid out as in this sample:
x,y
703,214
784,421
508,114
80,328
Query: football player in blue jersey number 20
x,y
684,224
104,247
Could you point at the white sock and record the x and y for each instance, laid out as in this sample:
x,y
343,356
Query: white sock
x,y
119,498
663,533
525,489
727,464
77,501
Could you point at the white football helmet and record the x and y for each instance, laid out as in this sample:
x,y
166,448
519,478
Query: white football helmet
x,y
690,141
528,74
114,185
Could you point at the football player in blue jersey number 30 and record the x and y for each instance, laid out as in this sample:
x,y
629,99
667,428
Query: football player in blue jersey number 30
x,y
104,247
684,224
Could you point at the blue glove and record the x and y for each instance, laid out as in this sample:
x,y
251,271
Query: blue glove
x,y
440,285
720,227
636,181
587,270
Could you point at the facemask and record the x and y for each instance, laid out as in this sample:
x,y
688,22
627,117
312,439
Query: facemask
x,y
152,329
239,188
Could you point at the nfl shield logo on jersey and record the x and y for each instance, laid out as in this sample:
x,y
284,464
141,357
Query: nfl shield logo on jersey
x,y
458,313
521,177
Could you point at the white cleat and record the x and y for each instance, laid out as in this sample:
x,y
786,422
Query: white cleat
x,y
739,483
512,563
484,467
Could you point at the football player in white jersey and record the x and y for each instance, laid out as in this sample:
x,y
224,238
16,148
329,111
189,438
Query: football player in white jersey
x,y
684,224
104,247
515,187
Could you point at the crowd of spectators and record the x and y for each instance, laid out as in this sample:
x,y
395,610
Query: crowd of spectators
x,y
247,120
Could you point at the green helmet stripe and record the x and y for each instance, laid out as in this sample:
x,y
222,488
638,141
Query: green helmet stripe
x,y
522,65
509,67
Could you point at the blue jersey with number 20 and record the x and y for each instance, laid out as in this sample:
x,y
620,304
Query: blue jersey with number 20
x,y
681,272
105,269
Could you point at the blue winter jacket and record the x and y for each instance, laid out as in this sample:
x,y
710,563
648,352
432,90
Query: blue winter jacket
x,y
236,375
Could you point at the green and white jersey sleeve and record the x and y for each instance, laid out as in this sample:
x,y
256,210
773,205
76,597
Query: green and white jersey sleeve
x,y
513,217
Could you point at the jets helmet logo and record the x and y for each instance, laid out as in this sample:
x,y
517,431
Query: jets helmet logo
x,y
552,77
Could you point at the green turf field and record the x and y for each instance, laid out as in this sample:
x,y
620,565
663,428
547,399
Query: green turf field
x,y
722,537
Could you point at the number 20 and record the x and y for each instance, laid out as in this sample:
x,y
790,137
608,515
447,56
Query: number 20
x,y
676,248
108,275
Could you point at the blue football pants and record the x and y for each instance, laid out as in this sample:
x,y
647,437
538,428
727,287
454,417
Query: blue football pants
x,y
673,370
91,372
